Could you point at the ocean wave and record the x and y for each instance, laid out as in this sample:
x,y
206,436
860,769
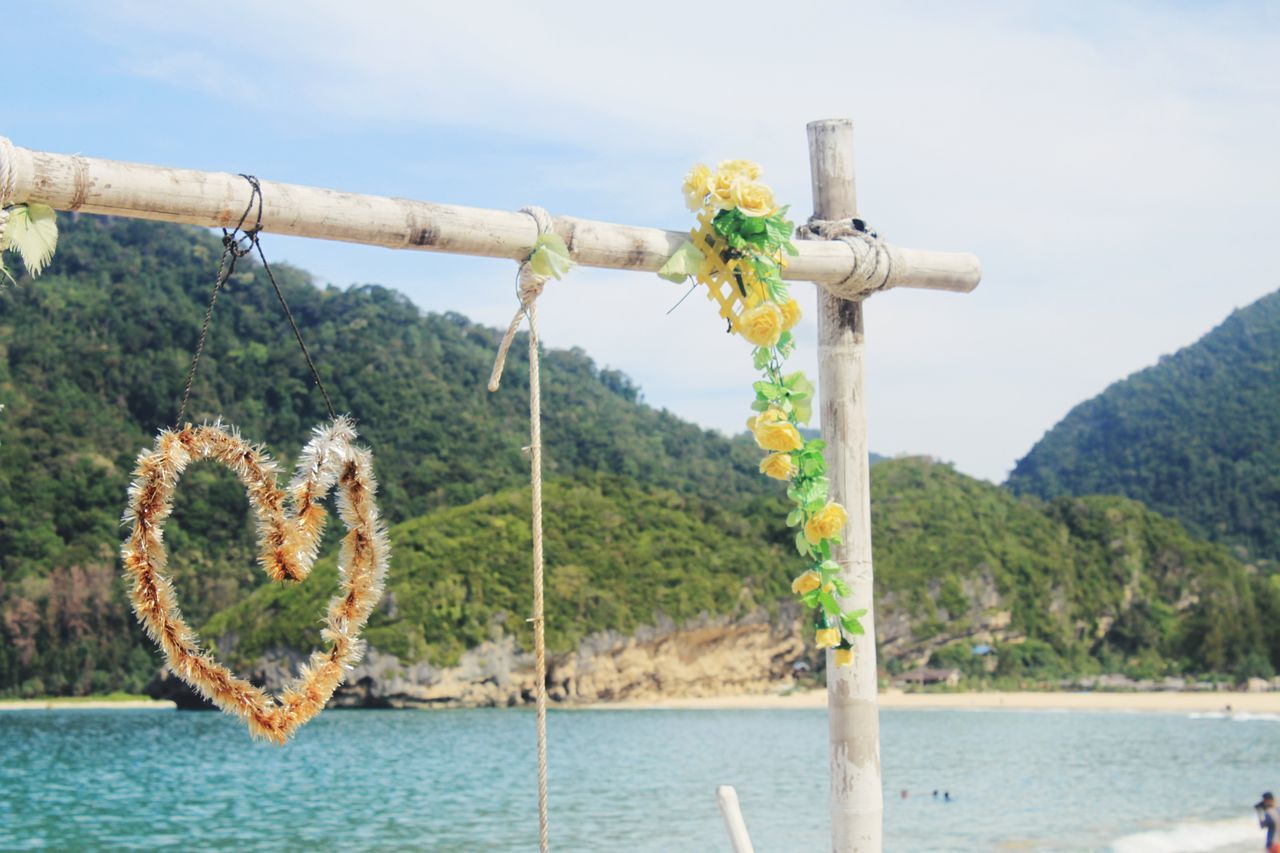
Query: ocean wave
x,y
1235,716
1192,837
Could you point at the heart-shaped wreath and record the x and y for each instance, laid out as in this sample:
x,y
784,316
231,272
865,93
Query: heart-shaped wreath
x,y
290,523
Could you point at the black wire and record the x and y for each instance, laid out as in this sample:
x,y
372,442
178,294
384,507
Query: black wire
x,y
234,247
315,374
230,249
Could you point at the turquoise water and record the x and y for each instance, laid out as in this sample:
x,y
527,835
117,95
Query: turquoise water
x,y
626,780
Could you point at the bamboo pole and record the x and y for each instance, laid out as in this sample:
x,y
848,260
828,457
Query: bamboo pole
x,y
857,803
731,811
217,199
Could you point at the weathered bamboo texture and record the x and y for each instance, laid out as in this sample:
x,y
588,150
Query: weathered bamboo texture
x,y
217,199
857,802
731,811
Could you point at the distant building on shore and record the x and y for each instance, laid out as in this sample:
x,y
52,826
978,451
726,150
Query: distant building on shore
x,y
925,676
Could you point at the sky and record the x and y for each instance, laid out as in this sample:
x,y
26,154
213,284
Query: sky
x,y
1114,166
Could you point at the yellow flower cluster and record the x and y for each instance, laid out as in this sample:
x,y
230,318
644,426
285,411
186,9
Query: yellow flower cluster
x,y
774,431
764,324
732,184
825,523
731,201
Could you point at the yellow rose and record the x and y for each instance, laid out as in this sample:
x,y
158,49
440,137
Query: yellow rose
x,y
762,325
752,198
778,466
844,657
825,523
695,186
740,167
790,314
827,638
774,432
807,582
720,189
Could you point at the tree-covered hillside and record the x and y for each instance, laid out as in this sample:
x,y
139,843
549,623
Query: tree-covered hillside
x,y
1081,584
649,517
1196,436
93,358
1076,586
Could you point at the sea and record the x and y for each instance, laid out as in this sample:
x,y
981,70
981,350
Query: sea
x,y
628,780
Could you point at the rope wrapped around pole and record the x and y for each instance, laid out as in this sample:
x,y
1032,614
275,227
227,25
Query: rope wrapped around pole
x,y
872,269
530,286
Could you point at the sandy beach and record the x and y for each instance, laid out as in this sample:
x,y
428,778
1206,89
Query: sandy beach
x,y
85,704
1250,703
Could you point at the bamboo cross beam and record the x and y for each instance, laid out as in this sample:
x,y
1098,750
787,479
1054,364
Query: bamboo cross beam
x,y
217,200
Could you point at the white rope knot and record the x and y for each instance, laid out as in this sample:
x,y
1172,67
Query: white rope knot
x,y
529,287
872,260
8,182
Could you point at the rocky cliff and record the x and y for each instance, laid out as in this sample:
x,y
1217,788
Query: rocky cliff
x,y
705,657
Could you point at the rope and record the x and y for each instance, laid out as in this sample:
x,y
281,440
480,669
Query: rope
x,y
236,243
529,286
872,260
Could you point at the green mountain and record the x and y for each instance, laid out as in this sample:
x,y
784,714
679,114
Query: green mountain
x,y
93,358
1072,586
649,518
1088,585
1196,436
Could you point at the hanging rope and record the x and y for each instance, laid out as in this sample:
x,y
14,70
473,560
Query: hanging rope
x,y
236,243
529,286
872,260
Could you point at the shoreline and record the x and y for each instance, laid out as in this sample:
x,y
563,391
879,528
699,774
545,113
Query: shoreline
x,y
88,703
1144,702
1205,702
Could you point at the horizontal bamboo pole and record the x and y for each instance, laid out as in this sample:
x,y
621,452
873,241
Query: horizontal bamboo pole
x,y
217,199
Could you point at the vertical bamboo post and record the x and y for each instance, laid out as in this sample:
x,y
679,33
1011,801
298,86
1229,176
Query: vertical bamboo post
x,y
857,801
727,799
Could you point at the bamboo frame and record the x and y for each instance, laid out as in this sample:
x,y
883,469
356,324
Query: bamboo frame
x,y
217,199
853,717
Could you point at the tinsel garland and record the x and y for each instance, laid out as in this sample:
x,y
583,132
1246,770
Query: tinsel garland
x,y
289,523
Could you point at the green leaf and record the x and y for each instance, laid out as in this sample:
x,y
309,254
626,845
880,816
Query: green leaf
x,y
851,623
802,544
841,586
686,262
33,233
798,383
760,358
810,598
550,256
829,604
795,517
803,409
760,406
815,444
767,389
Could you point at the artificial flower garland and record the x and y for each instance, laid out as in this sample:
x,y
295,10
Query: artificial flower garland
x,y
290,522
739,253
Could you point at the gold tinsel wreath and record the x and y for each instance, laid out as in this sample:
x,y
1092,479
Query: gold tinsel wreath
x,y
289,523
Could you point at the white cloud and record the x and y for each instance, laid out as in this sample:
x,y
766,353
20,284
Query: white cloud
x,y
1113,165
